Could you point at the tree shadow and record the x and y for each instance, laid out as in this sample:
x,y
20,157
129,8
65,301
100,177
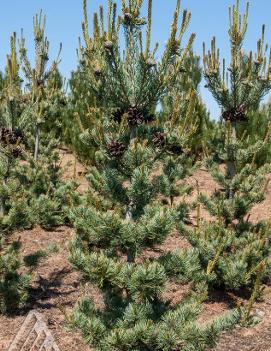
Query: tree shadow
x,y
221,296
45,292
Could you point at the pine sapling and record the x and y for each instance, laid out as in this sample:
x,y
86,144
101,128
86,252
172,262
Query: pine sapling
x,y
131,203
231,246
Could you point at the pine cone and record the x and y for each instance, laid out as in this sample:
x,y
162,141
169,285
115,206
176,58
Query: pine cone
x,y
4,135
115,148
135,116
10,137
159,140
18,136
235,114
16,152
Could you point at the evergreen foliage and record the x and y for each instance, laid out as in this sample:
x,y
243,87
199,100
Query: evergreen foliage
x,y
232,248
90,89
257,129
44,85
200,125
13,285
137,119
142,160
32,191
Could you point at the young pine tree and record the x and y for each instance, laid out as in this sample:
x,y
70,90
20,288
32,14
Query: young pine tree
x,y
13,284
41,91
140,158
12,123
234,250
31,189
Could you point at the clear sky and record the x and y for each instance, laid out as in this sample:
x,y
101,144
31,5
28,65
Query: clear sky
x,y
64,17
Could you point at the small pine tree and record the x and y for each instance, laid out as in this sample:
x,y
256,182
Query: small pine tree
x,y
231,247
39,80
85,95
31,189
11,122
141,158
13,283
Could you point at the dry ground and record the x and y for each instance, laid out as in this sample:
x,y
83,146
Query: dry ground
x,y
56,287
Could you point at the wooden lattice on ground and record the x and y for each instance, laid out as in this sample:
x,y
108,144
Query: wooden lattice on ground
x,y
33,335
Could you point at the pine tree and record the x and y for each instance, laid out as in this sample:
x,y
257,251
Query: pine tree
x,y
31,189
85,96
231,246
131,203
13,283
39,79
12,121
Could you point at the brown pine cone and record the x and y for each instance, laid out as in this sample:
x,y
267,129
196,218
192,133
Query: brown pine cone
x,y
16,152
135,116
159,140
235,114
10,137
115,148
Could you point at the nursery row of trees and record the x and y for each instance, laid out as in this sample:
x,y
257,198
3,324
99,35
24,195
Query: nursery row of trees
x,y
138,121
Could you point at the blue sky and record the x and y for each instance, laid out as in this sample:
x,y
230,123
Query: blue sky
x,y
64,17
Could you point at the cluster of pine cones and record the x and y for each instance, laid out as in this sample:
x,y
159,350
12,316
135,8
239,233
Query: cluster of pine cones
x,y
160,142
12,139
115,148
9,136
134,115
235,114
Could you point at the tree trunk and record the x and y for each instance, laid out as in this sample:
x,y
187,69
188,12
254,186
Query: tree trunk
x,y
2,208
129,214
37,143
231,162
130,253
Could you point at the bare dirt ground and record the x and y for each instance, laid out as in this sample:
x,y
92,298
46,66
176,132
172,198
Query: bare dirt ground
x,y
56,286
